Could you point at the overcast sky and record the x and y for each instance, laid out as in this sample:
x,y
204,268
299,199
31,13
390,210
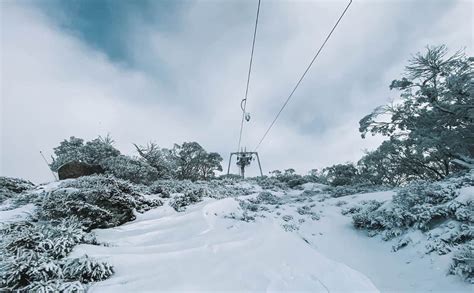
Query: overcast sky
x,y
174,71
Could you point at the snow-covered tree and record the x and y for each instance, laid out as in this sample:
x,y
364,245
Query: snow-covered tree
x,y
342,174
432,123
131,169
95,151
68,150
161,159
195,163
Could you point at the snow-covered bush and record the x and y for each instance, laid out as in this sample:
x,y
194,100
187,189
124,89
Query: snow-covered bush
x,y
343,190
26,267
340,203
176,186
289,177
133,170
55,286
180,202
290,227
364,207
33,252
248,206
54,241
445,237
159,188
271,183
438,209
245,216
86,270
33,256
97,201
287,218
463,262
293,183
10,187
30,271
306,210
417,205
213,188
265,197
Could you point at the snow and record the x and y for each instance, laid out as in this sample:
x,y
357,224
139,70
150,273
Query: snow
x,y
202,250
48,187
313,186
16,214
285,249
466,194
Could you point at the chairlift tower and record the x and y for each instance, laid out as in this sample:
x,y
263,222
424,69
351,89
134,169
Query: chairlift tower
x,y
244,159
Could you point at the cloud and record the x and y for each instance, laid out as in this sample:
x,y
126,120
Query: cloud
x,y
184,81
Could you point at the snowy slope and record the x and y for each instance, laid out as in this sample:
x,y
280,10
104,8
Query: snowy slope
x,y
201,249
300,242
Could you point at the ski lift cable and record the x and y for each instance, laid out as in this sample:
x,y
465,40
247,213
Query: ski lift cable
x,y
243,104
304,74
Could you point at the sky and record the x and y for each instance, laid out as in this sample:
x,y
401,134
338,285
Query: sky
x,y
174,71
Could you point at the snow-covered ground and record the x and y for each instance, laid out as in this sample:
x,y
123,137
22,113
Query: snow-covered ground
x,y
11,214
200,249
286,248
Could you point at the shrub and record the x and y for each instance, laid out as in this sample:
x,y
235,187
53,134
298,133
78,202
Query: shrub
x,y
287,218
33,252
271,183
180,202
265,197
97,201
32,255
344,190
435,208
55,286
94,208
133,170
30,271
159,188
297,182
213,188
54,241
463,262
25,267
86,270
418,205
247,206
306,210
10,187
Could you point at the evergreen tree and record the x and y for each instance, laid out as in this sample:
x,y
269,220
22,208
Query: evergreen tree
x,y
432,124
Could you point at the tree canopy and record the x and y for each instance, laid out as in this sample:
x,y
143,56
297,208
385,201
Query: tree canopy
x,y
431,124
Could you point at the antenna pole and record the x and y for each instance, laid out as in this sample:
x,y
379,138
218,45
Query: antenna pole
x,y
54,175
259,165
